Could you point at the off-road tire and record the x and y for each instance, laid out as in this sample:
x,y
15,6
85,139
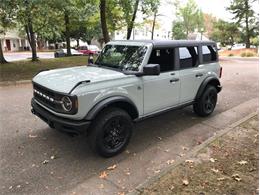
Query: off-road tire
x,y
206,103
104,132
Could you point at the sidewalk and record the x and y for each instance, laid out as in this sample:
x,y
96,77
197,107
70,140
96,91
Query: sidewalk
x,y
227,164
137,171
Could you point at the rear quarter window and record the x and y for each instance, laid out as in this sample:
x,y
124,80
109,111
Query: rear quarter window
x,y
188,57
209,53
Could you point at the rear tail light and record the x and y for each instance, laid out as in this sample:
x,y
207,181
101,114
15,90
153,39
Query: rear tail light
x,y
220,72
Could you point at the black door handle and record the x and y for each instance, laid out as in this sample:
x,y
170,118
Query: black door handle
x,y
199,75
174,80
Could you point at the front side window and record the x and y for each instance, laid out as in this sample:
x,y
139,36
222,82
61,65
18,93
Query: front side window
x,y
122,57
188,57
209,53
164,57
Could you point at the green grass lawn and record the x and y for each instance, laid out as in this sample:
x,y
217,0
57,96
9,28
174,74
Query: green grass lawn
x,y
26,69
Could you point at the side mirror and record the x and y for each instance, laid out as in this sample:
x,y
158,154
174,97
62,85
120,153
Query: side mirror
x,y
151,69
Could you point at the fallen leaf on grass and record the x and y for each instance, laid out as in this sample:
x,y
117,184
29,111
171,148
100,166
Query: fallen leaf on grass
x,y
181,154
167,150
101,186
215,170
32,136
236,177
157,171
242,162
103,175
171,188
185,182
121,193
189,161
221,178
112,167
169,162
212,160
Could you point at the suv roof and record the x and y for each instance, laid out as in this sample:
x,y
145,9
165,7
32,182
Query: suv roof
x,y
166,43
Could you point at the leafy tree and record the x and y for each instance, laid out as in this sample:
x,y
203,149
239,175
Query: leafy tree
x,y
177,31
244,15
129,8
190,16
226,33
7,16
151,7
28,10
209,21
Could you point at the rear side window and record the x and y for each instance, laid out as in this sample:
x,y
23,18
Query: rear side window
x,y
209,53
164,57
188,57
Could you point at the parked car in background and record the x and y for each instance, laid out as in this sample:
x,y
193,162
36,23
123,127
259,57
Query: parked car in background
x,y
63,53
237,46
90,49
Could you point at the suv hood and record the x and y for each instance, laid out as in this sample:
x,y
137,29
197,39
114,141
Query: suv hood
x,y
63,80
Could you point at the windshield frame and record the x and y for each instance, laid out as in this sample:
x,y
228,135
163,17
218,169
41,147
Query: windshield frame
x,y
127,43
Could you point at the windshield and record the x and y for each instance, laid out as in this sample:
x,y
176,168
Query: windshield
x,y
122,57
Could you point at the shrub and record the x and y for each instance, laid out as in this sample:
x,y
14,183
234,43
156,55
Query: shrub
x,y
231,54
247,54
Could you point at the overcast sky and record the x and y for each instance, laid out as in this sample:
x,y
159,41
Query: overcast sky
x,y
214,7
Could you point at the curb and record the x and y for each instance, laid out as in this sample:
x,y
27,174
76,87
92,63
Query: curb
x,y
192,153
8,83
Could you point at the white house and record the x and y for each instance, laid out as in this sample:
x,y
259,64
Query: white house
x,y
11,41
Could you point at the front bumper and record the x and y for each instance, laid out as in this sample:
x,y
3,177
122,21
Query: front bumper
x,y
59,123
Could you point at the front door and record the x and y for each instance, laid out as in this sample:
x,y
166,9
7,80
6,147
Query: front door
x,y
8,44
162,91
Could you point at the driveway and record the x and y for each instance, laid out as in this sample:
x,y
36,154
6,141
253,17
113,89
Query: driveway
x,y
15,56
38,160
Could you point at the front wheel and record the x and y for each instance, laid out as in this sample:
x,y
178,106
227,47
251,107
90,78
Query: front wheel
x,y
205,105
111,132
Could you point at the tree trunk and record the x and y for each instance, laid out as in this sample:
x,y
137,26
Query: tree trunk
x,y
67,31
247,26
2,58
31,37
154,19
130,26
103,20
77,43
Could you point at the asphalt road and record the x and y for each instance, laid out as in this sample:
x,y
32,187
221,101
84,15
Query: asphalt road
x,y
26,142
14,56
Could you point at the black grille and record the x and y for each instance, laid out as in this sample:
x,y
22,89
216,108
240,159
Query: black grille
x,y
52,99
47,102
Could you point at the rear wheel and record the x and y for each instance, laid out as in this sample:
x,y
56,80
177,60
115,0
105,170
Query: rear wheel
x,y
205,105
110,132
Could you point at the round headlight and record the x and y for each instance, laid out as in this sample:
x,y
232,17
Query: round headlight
x,y
66,103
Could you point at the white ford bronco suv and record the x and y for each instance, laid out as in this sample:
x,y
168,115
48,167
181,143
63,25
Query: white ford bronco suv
x,y
129,81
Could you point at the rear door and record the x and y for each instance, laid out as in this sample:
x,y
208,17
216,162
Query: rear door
x,y
191,73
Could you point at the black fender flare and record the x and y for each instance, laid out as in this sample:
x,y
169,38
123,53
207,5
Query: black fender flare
x,y
208,80
109,101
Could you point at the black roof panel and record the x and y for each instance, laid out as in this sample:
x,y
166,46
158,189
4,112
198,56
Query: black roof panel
x,y
170,43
